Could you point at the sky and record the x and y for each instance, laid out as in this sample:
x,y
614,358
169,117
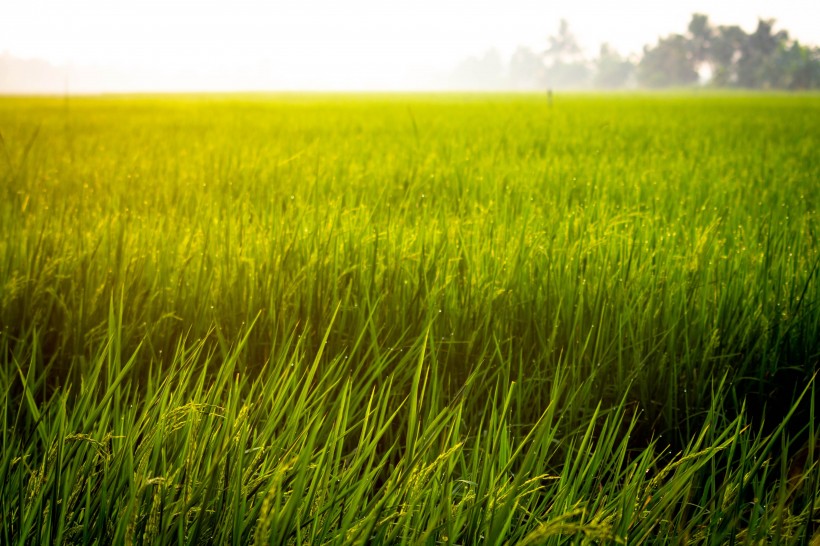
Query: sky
x,y
339,44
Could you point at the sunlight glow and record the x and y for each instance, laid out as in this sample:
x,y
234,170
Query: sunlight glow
x,y
322,44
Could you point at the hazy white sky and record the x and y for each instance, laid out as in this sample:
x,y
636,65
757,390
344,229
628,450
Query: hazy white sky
x,y
344,43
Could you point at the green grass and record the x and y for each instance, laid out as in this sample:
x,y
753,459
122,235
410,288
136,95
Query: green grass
x,y
409,319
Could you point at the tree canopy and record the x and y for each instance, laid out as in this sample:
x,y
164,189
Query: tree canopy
x,y
763,59
705,54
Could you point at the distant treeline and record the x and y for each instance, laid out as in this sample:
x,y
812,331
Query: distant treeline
x,y
716,56
704,55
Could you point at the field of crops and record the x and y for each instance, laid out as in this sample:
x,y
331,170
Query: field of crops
x,y
453,319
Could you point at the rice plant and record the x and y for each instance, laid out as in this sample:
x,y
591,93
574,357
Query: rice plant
x,y
409,319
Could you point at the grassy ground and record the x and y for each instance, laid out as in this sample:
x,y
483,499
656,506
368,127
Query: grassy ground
x,y
409,319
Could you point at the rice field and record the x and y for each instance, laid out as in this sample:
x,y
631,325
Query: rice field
x,y
410,319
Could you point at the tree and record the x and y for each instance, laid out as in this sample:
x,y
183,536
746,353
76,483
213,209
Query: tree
x,y
563,46
486,72
765,58
700,35
669,64
801,67
565,66
725,49
526,69
611,70
758,65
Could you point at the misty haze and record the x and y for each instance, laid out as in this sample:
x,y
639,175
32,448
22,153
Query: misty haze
x,y
523,45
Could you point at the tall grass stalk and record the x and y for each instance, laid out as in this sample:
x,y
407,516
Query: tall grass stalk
x,y
409,319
